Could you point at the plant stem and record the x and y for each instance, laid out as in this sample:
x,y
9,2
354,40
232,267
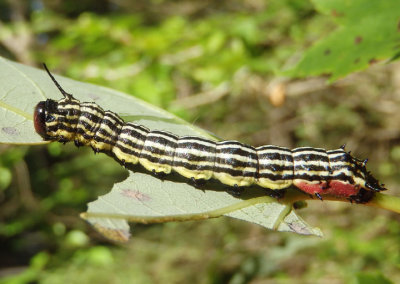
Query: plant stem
x,y
380,200
384,201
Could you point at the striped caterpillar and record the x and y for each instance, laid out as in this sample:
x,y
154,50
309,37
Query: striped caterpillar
x,y
315,171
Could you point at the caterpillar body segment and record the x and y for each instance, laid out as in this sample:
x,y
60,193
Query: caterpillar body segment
x,y
313,170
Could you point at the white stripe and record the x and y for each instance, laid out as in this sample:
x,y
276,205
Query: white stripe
x,y
136,127
129,147
276,173
115,117
273,151
87,120
297,154
68,106
159,146
340,163
131,139
152,134
308,149
274,162
194,140
230,167
311,163
197,163
226,156
311,173
336,155
194,152
158,156
108,130
236,147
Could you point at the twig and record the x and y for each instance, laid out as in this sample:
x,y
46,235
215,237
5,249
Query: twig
x,y
204,98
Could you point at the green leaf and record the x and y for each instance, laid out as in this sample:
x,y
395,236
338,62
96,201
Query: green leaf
x,y
145,199
368,32
141,197
371,278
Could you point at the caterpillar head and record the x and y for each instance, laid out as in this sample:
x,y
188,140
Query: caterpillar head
x,y
43,116
48,112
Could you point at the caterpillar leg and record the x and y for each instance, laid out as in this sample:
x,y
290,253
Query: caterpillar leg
x,y
235,191
159,175
197,183
78,144
363,196
318,195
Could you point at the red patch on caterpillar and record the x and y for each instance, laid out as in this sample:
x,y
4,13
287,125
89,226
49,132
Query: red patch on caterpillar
x,y
135,194
334,188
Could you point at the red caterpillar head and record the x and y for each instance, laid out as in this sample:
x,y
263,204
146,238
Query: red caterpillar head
x,y
43,114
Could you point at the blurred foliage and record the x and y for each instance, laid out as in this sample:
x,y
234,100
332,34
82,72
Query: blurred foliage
x,y
213,62
368,32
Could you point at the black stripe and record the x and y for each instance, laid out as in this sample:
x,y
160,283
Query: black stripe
x,y
63,119
275,167
341,167
275,156
105,141
92,106
311,157
308,149
195,146
275,176
165,133
111,137
66,103
62,126
336,151
340,177
197,139
273,147
306,167
161,143
206,153
127,151
86,127
193,167
155,160
234,173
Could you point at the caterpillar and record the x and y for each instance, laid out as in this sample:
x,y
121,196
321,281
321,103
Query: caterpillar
x,y
314,171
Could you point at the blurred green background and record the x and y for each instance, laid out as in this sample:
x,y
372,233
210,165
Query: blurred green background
x,y
219,65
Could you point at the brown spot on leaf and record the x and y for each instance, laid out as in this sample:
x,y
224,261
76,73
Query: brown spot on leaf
x,y
94,97
358,39
372,61
336,14
135,194
10,131
327,51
